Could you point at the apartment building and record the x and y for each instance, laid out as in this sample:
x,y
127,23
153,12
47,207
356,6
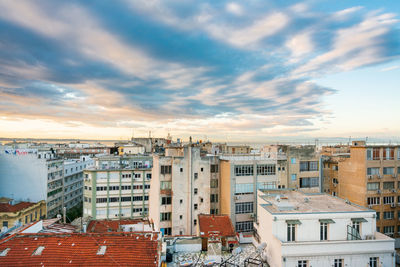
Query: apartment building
x,y
73,181
275,167
185,184
32,175
318,230
241,176
117,187
369,176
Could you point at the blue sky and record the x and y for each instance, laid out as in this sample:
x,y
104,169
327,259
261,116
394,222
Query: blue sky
x,y
244,70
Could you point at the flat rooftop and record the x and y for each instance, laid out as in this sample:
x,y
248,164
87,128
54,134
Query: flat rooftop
x,y
288,201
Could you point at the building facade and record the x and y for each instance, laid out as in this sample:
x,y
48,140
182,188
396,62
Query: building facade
x,y
184,185
20,213
319,230
369,176
117,187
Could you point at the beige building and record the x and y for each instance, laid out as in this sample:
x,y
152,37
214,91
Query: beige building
x,y
22,213
276,167
369,177
184,184
117,187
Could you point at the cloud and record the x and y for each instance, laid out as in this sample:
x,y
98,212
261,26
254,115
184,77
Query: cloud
x,y
190,66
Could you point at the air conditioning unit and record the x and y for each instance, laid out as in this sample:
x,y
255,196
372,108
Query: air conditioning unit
x,y
370,176
369,237
394,190
378,191
379,176
394,175
393,205
370,206
237,197
252,215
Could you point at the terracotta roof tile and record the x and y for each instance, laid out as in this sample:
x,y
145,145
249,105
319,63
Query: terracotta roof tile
x,y
217,224
123,249
5,207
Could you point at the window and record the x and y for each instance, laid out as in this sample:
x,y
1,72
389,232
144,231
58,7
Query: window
x,y
181,169
195,222
388,153
166,169
378,215
388,215
338,263
388,200
180,217
372,186
374,201
376,153
214,198
369,154
126,199
306,166
165,185
214,183
291,232
388,170
195,206
5,224
148,176
244,207
294,177
165,216
323,231
181,201
244,189
196,175
309,182
166,231
214,168
373,262
246,226
101,200
388,185
293,160
388,230
302,263
201,169
267,169
165,200
195,191
372,171
244,170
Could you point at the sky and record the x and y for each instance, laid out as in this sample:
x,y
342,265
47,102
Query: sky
x,y
222,70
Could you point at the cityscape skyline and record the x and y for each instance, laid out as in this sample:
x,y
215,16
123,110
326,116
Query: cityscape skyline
x,y
228,70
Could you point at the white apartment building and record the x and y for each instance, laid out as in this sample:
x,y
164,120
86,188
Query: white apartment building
x,y
305,230
73,180
184,185
117,187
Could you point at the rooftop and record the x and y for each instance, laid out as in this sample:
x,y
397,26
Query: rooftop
x,y
6,207
104,226
288,201
107,249
215,224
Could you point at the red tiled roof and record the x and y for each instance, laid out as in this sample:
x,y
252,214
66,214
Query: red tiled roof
x,y
127,249
215,224
104,226
5,207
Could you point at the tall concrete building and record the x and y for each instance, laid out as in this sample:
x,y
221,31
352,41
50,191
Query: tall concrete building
x,y
184,185
32,175
117,187
368,176
275,167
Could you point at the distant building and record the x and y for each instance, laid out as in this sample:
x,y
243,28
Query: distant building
x,y
299,229
367,175
117,187
123,225
20,213
86,249
131,149
185,184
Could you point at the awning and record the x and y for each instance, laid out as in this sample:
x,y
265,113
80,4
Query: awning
x,y
326,221
358,220
293,222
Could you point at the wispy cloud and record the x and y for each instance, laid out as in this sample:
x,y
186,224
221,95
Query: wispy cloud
x,y
190,66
